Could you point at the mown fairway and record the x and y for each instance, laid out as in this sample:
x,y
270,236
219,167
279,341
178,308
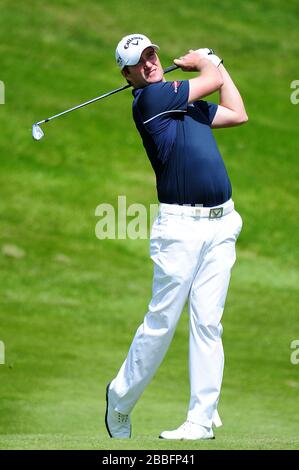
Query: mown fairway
x,y
71,303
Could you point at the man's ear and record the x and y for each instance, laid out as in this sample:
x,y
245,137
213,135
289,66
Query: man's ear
x,y
125,72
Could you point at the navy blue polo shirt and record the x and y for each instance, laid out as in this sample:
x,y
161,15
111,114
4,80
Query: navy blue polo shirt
x,y
179,142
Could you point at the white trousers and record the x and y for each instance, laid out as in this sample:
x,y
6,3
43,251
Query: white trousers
x,y
193,257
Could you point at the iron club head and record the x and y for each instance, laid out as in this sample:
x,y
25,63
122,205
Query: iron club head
x,y
37,133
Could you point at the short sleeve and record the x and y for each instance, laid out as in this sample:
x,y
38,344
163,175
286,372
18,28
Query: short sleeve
x,y
207,108
163,98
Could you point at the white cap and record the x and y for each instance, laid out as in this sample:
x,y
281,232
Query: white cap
x,y
130,48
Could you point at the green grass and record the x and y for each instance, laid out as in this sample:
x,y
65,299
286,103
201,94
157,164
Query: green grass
x,y
83,442
70,305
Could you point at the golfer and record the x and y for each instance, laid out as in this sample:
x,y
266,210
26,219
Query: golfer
x,y
193,238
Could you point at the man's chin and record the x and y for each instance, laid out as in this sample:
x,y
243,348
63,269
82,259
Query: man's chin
x,y
154,76
154,79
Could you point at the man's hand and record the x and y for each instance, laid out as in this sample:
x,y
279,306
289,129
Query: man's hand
x,y
191,62
210,55
209,79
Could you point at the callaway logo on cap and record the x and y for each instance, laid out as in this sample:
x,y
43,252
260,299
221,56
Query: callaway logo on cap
x,y
130,48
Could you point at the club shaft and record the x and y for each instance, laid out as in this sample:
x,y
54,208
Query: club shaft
x,y
168,69
171,68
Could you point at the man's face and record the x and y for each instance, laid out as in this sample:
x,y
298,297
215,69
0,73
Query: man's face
x,y
147,71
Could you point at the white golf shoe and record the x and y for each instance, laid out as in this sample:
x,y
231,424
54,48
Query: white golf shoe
x,y
118,425
189,431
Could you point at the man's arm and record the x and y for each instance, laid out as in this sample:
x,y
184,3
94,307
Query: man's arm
x,y
209,80
231,110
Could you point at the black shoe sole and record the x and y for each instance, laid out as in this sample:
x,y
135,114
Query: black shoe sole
x,y
106,414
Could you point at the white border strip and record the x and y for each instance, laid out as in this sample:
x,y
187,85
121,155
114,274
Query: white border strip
x,y
165,112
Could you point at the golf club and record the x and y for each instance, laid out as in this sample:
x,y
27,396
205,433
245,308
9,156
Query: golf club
x,y
37,132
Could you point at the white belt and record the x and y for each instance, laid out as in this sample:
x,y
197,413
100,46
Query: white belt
x,y
215,212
